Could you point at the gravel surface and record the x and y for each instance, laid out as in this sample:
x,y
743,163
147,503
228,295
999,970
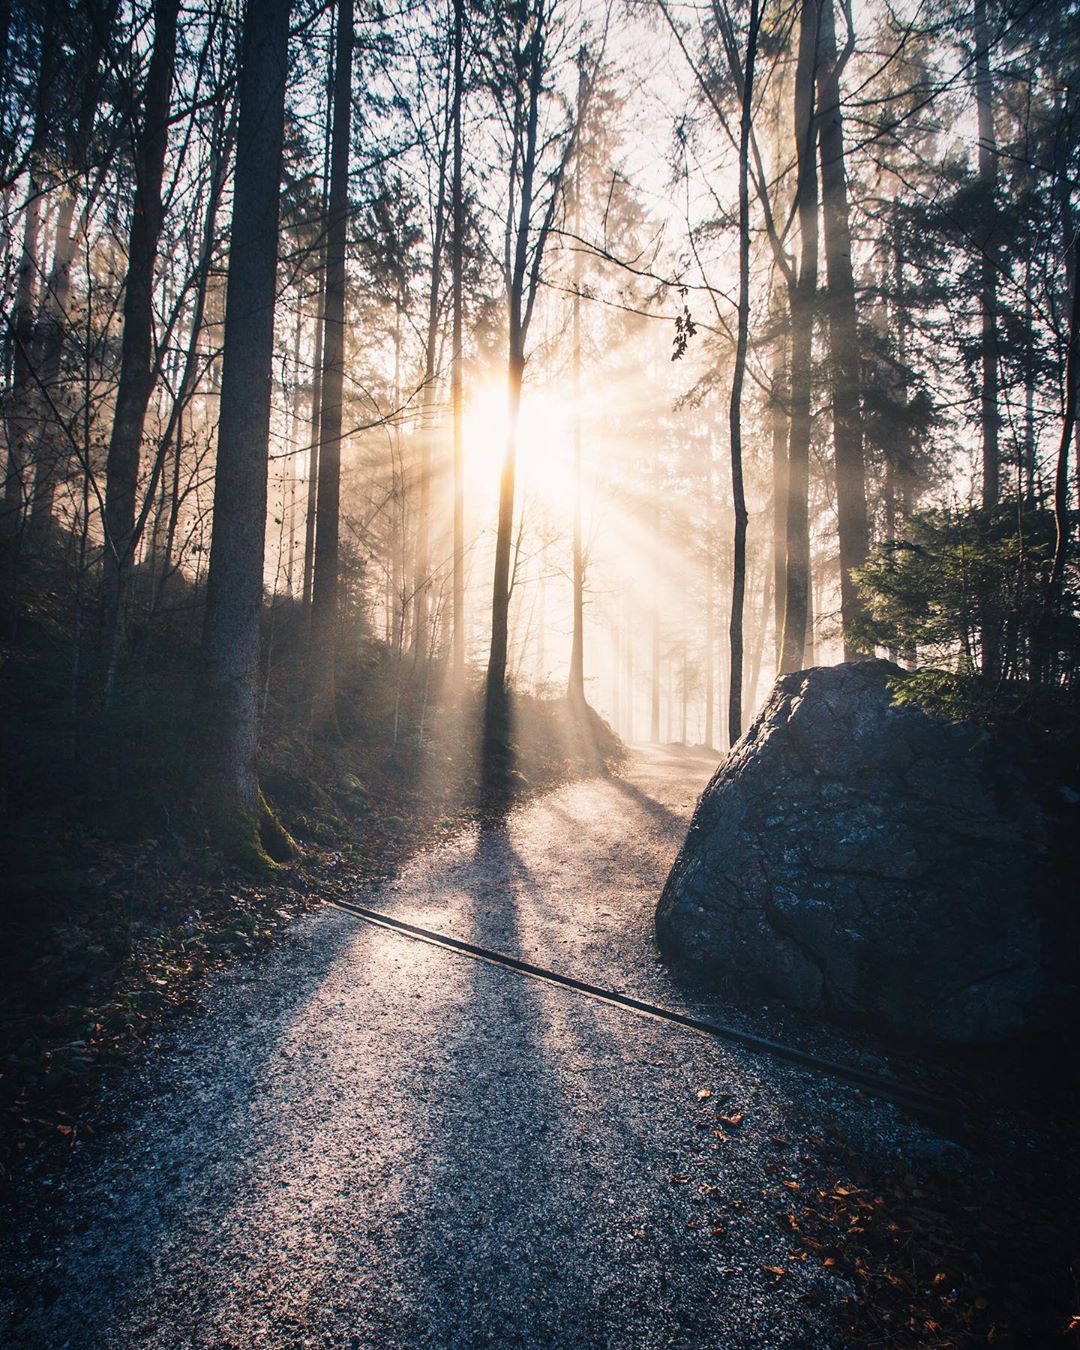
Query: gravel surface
x,y
373,1142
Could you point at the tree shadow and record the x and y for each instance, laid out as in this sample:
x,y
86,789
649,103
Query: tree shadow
x,y
662,815
507,1257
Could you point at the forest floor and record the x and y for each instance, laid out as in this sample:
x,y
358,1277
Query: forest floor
x,y
369,1141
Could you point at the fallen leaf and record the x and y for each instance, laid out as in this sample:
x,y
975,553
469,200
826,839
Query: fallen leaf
x,y
704,1094
775,1270
732,1122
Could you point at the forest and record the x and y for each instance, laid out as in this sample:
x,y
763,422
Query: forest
x,y
416,415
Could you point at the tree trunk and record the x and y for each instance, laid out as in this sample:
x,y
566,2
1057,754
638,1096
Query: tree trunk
x,y
738,572
528,60
311,510
803,300
988,177
654,662
325,600
843,338
495,714
136,363
710,602
1061,471
778,418
312,503
576,684
236,812
629,713
422,561
456,360
752,701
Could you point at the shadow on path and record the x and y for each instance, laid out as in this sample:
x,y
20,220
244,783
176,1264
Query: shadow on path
x,y
663,815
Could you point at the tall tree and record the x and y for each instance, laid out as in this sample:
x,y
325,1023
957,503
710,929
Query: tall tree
x,y
988,266
237,813
136,352
843,329
742,66
437,139
325,592
802,293
576,682
456,355
526,45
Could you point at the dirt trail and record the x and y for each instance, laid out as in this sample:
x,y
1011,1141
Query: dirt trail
x,y
372,1142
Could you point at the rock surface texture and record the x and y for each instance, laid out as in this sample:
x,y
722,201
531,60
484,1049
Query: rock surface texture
x,y
859,859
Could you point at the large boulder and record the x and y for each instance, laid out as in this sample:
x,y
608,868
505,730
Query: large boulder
x,y
864,860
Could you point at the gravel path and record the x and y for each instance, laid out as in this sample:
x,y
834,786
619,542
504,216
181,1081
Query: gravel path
x,y
372,1142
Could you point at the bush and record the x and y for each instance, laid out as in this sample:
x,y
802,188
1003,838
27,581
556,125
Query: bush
x,y
964,600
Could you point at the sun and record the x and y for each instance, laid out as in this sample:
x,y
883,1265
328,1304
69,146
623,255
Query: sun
x,y
484,432
544,443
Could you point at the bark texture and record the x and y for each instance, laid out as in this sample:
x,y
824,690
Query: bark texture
x,y
229,788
